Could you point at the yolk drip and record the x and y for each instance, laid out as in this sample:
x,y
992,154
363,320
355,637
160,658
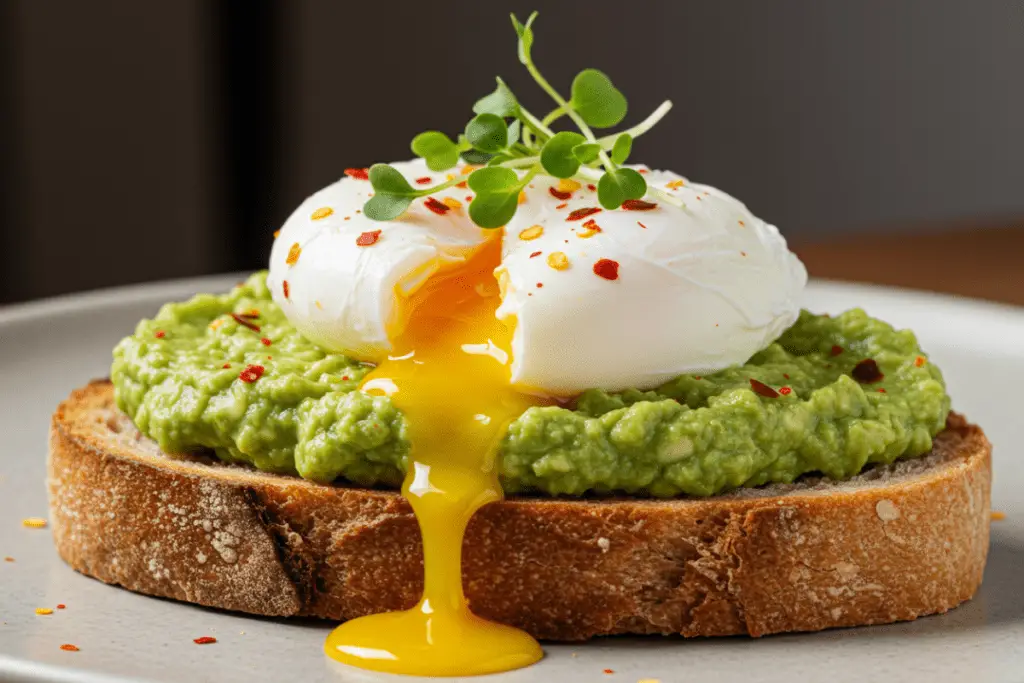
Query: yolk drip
x,y
449,373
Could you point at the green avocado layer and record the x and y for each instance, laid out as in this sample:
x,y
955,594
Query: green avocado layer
x,y
180,377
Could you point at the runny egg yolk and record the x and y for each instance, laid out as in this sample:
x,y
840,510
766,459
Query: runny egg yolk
x,y
449,373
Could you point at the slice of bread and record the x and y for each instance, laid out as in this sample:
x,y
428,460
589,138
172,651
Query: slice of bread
x,y
892,544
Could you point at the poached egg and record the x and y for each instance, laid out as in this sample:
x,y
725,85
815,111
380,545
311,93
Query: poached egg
x,y
595,298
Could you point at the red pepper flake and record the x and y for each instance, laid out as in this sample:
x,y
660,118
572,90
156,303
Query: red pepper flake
x,y
204,640
641,225
881,391
440,208
344,378
160,334
580,214
643,170
251,314
836,350
246,323
591,186
592,228
535,254
607,269
370,237
561,206
697,377
358,173
287,292
539,285
8,559
266,342
252,373
469,197
919,361
558,194
62,606
638,205
68,647
226,366
785,391
423,181
785,375
867,372
762,389
609,671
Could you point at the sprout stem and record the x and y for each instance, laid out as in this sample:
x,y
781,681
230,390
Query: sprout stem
x,y
608,141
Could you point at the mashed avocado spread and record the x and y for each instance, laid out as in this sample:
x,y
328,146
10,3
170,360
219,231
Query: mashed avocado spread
x,y
209,373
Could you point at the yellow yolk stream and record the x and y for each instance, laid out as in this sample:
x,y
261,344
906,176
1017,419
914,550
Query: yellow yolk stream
x,y
449,373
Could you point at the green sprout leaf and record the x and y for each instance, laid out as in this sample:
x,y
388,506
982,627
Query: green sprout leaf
x,y
487,133
385,207
501,102
620,150
525,33
437,148
619,185
599,103
490,180
386,179
587,152
557,156
497,196
472,156
514,129
392,194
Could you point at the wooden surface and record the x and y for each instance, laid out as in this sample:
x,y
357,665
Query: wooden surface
x,y
982,262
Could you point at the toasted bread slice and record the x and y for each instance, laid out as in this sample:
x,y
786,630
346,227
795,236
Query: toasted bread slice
x,y
892,544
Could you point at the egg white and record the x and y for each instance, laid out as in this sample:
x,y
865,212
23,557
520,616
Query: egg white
x,y
699,288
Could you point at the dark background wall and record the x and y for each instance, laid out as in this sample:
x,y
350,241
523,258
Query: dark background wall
x,y
143,141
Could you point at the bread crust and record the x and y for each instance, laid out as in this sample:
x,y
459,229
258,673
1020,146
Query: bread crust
x,y
893,544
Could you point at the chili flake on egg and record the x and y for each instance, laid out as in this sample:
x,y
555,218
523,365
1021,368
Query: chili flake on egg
x,y
437,207
638,205
293,254
580,214
368,238
591,227
322,212
607,268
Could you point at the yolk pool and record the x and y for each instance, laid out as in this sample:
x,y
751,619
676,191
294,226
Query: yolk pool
x,y
452,340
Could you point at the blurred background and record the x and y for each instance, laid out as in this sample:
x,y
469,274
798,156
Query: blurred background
x,y
142,141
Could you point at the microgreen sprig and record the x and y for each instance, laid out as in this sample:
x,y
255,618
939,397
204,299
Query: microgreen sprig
x,y
512,146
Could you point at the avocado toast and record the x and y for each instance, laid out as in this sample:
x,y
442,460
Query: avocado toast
x,y
897,542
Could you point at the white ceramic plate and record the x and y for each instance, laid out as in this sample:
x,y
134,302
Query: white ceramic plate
x,y
49,348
